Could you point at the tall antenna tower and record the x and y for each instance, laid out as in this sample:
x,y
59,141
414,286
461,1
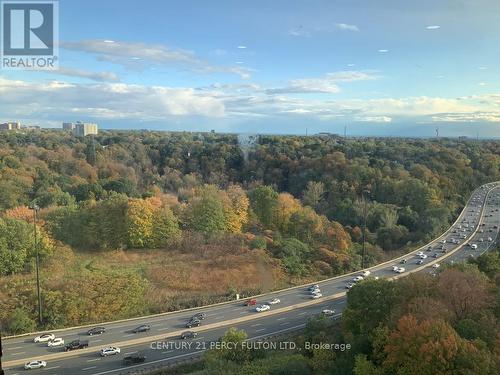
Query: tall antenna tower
x,y
345,131
437,132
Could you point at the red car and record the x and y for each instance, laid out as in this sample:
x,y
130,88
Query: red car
x,y
251,302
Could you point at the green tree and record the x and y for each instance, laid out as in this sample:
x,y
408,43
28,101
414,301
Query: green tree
x,y
20,322
263,200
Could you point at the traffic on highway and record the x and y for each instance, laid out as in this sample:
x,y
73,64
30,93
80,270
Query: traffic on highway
x,y
115,347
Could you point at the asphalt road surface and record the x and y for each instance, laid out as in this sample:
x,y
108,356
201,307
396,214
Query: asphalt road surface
x,y
478,221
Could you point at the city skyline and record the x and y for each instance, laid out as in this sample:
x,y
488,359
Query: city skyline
x,y
380,69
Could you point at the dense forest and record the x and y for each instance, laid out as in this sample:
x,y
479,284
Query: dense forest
x,y
148,213
431,325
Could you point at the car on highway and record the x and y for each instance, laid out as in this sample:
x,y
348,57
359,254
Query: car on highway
x,y
444,241
76,344
141,328
400,270
423,256
193,323
56,342
316,296
110,350
96,331
328,312
274,301
314,291
45,337
134,359
34,365
419,262
366,273
435,265
188,335
262,308
404,261
435,255
250,302
349,285
312,287
358,278
473,246
490,239
420,253
481,239
199,316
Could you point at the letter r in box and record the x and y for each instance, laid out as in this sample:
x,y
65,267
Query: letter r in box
x,y
29,34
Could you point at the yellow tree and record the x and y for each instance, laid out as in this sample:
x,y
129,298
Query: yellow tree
x,y
286,206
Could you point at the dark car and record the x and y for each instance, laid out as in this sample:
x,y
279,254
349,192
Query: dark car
x,y
250,302
188,335
76,344
199,316
134,359
96,331
403,261
142,328
193,323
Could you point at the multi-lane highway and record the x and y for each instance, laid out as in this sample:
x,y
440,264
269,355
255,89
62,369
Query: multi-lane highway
x,y
478,222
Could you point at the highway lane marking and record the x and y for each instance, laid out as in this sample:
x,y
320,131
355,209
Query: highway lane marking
x,y
168,351
243,312
19,353
52,368
256,325
282,324
199,338
130,353
130,334
260,330
88,368
14,348
93,341
303,313
280,319
93,360
162,329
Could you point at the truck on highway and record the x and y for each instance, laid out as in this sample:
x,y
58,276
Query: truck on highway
x,y
76,344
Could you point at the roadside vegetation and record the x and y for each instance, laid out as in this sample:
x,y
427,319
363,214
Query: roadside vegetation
x,y
133,223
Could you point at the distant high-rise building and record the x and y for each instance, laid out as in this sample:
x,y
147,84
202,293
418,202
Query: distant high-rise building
x,y
10,126
79,128
68,126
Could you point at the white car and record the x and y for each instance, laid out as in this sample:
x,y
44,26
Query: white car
x,y
312,287
443,241
473,246
262,308
316,296
110,351
274,301
420,253
366,273
328,312
481,239
315,291
35,364
45,337
56,342
400,270
423,256
490,239
357,278
349,285
395,268
436,265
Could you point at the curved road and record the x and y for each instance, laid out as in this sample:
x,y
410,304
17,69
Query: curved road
x,y
479,220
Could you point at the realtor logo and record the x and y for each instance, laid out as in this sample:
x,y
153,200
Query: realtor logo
x,y
29,35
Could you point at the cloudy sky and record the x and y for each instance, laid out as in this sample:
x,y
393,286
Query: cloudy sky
x,y
385,67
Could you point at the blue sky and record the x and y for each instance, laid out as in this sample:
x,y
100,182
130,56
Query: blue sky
x,y
379,67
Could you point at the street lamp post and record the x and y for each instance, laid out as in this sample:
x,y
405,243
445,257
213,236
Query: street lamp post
x,y
35,209
365,212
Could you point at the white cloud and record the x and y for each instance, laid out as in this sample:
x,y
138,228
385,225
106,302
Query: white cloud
x,y
299,32
242,47
95,76
346,27
324,85
433,27
373,119
104,100
141,55
383,50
